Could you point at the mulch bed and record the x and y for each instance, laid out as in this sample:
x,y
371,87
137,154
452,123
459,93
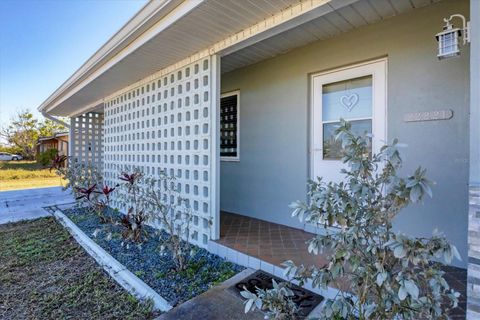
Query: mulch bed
x,y
45,274
156,268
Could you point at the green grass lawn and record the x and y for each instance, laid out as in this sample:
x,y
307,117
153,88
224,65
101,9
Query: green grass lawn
x,y
26,174
45,274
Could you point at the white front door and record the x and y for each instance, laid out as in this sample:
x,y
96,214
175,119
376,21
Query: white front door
x,y
356,94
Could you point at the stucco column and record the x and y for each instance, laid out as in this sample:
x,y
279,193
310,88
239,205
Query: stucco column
x,y
473,287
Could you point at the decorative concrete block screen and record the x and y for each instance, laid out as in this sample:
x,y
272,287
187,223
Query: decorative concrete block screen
x,y
86,138
165,124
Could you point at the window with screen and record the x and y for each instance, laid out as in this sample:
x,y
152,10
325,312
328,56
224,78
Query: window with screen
x,y
229,126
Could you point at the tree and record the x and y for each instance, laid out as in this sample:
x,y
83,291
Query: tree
x,y
389,275
24,130
49,128
22,133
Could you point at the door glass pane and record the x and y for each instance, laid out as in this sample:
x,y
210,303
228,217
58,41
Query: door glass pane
x,y
349,99
332,149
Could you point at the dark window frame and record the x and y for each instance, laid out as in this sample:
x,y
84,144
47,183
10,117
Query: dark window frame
x,y
236,155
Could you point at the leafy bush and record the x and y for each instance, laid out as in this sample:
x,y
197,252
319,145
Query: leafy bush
x,y
133,222
172,212
157,200
45,158
96,200
277,302
389,275
77,174
83,179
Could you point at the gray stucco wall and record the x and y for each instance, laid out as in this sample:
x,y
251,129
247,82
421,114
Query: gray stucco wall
x,y
274,167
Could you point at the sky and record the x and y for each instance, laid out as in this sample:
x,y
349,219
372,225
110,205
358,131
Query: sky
x,y
43,42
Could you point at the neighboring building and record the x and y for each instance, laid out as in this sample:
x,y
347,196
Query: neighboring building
x,y
59,142
238,99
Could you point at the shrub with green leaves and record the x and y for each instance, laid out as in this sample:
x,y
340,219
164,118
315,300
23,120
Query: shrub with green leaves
x,y
169,210
46,157
276,302
77,174
389,275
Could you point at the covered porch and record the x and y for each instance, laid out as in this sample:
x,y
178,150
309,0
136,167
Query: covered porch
x,y
269,66
267,241
265,245
386,63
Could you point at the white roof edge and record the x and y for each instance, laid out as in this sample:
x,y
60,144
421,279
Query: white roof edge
x,y
57,134
121,37
158,15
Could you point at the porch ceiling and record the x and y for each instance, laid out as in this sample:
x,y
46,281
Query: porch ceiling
x,y
161,34
166,32
341,20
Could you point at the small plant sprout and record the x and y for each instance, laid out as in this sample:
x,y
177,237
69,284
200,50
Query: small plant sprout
x,y
98,201
58,162
133,222
86,193
276,302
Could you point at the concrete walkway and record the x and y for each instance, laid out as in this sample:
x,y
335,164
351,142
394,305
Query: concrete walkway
x,y
215,304
26,204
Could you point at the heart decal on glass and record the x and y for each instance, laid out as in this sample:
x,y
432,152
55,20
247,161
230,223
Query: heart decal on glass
x,y
349,101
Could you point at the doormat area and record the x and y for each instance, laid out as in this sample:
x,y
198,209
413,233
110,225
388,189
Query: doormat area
x,y
304,299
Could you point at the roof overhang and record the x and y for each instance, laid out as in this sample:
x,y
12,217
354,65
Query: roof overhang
x,y
45,139
166,34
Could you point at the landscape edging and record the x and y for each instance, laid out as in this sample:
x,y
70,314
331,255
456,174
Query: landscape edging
x,y
115,269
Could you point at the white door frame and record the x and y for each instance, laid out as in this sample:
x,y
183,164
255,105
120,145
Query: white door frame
x,y
378,69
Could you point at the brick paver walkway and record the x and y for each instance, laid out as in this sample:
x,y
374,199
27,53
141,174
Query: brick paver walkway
x,y
276,243
268,241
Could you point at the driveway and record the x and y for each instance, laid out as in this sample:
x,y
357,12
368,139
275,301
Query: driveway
x,y
25,204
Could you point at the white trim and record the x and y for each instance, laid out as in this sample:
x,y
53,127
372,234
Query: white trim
x,y
229,94
95,68
474,93
215,145
286,19
378,69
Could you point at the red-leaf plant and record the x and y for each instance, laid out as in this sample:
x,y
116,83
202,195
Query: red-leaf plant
x,y
133,222
58,162
98,200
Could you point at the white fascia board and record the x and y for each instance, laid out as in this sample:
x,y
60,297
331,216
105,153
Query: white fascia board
x,y
120,38
284,20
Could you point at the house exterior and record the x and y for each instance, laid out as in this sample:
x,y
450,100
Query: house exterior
x,y
239,99
59,142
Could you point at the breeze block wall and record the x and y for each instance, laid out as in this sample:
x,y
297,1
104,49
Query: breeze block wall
x,y
166,124
86,138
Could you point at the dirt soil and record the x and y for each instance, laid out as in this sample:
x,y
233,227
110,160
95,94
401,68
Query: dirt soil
x,y
45,274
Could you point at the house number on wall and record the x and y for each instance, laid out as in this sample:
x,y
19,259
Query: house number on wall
x,y
428,115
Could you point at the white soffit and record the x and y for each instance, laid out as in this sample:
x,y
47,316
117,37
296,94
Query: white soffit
x,y
169,34
341,20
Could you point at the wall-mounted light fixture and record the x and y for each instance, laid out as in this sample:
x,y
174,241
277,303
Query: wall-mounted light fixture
x,y
448,44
